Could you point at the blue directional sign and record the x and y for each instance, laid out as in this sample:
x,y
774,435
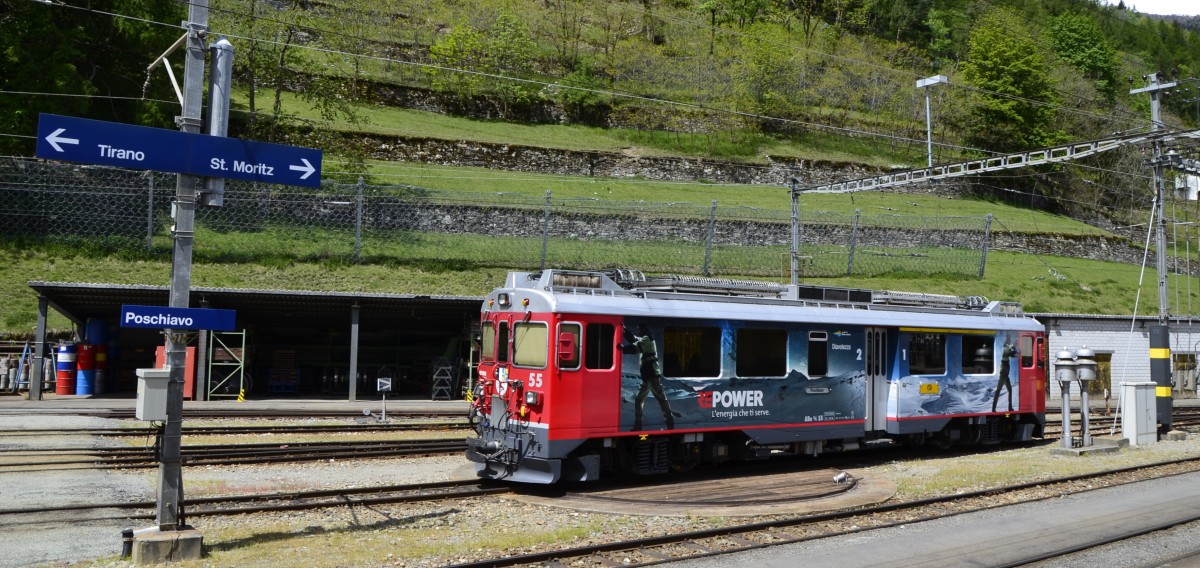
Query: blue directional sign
x,y
215,156
112,144
161,317
140,147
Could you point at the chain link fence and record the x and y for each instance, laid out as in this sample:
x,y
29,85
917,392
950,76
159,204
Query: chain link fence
x,y
116,209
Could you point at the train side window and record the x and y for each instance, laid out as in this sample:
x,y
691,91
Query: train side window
x,y
571,362
1026,351
927,354
502,343
761,353
530,345
818,354
691,351
488,343
977,354
598,348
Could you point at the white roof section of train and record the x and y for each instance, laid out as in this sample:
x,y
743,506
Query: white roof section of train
x,y
605,296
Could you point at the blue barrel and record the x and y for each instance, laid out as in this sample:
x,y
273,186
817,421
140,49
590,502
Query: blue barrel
x,y
85,382
64,382
96,331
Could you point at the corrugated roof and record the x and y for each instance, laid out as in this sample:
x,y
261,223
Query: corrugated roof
x,y
80,301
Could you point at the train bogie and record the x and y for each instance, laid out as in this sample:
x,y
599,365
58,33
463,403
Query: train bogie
x,y
581,374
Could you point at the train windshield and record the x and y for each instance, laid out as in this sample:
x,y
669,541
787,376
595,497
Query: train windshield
x,y
489,342
530,342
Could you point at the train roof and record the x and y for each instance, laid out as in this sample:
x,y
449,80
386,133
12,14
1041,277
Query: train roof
x,y
630,293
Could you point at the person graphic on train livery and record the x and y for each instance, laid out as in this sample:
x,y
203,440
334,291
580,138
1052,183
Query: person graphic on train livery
x,y
651,372
1006,354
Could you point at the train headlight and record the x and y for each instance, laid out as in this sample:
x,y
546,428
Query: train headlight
x,y
532,397
503,300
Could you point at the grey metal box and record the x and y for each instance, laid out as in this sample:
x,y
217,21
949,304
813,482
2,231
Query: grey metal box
x,y
152,394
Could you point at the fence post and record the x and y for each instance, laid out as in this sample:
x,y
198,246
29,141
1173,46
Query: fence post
x,y
987,238
150,215
545,230
358,221
708,241
853,242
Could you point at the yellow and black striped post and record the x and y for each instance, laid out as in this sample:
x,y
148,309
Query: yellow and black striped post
x,y
1160,373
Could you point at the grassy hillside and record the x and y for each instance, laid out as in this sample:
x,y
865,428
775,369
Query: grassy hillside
x,y
727,81
1043,284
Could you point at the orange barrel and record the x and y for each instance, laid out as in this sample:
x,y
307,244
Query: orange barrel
x,y
101,368
64,382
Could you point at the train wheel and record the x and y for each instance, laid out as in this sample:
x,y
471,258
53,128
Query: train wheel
x,y
685,458
943,440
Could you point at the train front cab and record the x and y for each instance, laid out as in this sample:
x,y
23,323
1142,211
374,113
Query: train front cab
x,y
546,384
945,386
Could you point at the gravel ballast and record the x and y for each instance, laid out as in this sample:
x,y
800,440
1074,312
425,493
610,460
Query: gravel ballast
x,y
409,535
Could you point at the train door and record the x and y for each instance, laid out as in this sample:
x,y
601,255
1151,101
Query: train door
x,y
589,376
875,367
1032,375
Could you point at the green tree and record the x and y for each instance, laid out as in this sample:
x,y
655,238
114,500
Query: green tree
x,y
1011,111
90,64
767,76
463,49
270,40
510,50
1078,41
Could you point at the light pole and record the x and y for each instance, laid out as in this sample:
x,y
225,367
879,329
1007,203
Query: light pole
x,y
925,84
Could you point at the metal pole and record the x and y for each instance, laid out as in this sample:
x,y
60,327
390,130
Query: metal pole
x,y
203,360
353,378
169,514
545,230
987,239
1066,414
925,84
358,221
795,233
1085,434
220,85
928,131
853,242
708,241
1160,347
39,335
150,214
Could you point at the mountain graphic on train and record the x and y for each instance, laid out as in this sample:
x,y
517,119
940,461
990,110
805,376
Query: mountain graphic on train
x,y
587,373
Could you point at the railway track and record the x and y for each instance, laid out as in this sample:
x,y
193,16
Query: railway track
x,y
735,538
249,413
1100,424
269,502
235,454
265,429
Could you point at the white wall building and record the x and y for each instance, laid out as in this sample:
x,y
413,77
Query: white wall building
x,y
1122,346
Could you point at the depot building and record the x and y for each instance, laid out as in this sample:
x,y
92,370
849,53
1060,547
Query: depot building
x,y
280,342
310,344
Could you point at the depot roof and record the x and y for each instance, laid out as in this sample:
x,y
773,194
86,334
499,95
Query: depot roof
x,y
80,301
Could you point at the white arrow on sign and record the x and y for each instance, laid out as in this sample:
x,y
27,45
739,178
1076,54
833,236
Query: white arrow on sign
x,y
54,139
307,168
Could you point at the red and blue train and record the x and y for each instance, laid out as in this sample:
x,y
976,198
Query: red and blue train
x,y
584,373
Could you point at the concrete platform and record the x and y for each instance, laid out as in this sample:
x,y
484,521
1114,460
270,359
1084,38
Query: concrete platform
x,y
1004,536
157,547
